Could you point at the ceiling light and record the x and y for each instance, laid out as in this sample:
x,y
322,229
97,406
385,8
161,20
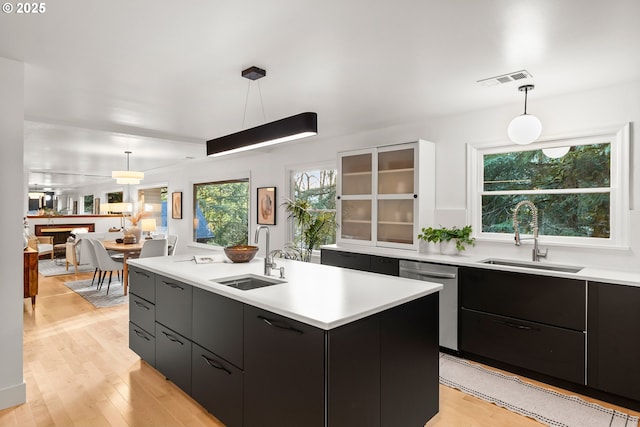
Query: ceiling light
x,y
288,129
525,128
555,152
128,176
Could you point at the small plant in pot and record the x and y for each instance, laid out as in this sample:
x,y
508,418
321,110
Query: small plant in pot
x,y
447,236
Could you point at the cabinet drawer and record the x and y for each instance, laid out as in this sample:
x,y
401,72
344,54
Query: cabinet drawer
x,y
142,313
384,265
174,305
544,299
217,385
142,283
217,325
345,259
142,343
173,357
545,349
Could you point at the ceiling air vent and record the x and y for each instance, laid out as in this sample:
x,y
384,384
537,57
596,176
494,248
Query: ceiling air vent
x,y
505,78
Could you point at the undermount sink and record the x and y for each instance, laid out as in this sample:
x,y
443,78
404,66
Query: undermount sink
x,y
531,264
247,282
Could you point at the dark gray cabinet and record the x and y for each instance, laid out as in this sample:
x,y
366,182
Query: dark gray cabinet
x,y
173,357
174,305
142,314
614,339
143,343
142,283
284,371
218,325
217,385
528,321
358,261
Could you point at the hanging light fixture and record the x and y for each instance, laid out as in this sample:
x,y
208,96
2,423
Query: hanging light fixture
x,y
128,176
288,129
525,128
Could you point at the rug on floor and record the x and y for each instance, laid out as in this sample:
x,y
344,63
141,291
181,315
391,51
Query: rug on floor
x,y
99,299
49,267
544,405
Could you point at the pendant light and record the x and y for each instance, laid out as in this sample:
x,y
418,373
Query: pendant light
x,y
556,152
525,128
128,176
288,129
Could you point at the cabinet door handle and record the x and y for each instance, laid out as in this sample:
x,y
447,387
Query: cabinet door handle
x,y
214,364
173,285
139,304
276,324
172,338
516,326
141,273
141,335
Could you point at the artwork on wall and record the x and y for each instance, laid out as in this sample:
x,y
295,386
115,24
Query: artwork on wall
x,y
267,205
176,205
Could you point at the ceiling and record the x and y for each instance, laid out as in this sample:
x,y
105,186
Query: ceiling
x,y
160,77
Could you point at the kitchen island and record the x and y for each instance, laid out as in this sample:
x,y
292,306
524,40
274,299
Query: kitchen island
x,y
329,346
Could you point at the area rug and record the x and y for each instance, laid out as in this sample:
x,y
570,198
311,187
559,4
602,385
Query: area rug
x,y
48,267
546,406
99,299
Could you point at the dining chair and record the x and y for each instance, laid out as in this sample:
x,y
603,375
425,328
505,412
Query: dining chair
x,y
154,247
86,247
172,241
105,263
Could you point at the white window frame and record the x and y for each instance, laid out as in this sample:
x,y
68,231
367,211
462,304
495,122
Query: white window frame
x,y
618,136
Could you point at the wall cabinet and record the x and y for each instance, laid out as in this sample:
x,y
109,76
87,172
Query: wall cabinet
x,y
385,194
614,339
528,321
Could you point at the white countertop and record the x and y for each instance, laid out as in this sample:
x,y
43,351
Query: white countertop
x,y
318,295
630,278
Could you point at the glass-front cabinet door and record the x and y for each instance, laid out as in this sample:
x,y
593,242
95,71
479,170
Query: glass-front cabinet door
x,y
385,194
355,197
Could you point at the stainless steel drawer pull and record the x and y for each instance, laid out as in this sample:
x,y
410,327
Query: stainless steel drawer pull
x,y
276,324
173,285
139,304
141,335
172,338
214,364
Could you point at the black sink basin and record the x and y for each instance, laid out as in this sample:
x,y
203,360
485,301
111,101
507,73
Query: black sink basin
x,y
247,282
535,265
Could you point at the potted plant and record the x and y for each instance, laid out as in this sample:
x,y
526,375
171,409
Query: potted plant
x,y
313,225
447,237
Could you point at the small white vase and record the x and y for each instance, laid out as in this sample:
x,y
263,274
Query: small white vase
x,y
425,247
448,248
135,231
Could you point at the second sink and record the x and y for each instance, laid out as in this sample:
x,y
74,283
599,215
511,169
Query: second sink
x,y
247,282
535,265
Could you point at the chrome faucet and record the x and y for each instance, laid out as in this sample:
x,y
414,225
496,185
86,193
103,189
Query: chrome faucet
x,y
536,253
268,258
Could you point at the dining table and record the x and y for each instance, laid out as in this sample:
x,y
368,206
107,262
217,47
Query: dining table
x,y
126,249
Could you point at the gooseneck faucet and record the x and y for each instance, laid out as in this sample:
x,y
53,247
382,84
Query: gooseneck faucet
x,y
268,260
536,253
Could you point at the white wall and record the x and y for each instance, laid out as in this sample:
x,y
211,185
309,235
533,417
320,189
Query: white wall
x,y
12,386
560,116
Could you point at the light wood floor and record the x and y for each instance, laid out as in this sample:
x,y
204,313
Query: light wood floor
x,y
80,372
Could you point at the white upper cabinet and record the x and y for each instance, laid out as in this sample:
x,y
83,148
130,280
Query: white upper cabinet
x,y
385,194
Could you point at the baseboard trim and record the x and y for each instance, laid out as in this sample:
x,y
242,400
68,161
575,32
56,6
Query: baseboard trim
x,y
13,395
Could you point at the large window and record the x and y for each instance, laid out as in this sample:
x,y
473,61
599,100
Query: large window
x,y
580,194
88,204
221,212
318,189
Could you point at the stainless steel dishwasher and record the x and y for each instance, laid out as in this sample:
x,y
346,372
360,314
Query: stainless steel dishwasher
x,y
448,277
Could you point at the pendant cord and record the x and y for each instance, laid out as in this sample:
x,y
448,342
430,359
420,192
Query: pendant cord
x,y
526,92
264,116
246,102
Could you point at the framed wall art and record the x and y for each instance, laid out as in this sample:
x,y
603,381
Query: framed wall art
x,y
176,205
267,205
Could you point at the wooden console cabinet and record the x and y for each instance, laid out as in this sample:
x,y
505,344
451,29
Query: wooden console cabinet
x,y
31,275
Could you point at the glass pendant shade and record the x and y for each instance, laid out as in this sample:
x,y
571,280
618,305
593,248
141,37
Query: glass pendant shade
x,y
524,129
128,176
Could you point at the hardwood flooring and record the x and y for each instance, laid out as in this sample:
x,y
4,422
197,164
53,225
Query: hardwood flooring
x,y
80,372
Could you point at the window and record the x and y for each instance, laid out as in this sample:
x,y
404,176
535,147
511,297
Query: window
x,y
154,201
318,188
88,204
221,212
581,196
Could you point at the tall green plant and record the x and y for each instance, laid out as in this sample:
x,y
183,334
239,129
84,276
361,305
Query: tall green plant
x,y
313,225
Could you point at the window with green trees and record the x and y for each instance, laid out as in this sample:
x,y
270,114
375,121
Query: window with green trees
x,y
581,193
318,189
88,204
221,212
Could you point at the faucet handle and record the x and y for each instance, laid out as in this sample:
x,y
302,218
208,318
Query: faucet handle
x,y
281,272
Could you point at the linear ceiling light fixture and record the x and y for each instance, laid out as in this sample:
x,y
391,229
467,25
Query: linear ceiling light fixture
x,y
128,176
288,129
525,128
